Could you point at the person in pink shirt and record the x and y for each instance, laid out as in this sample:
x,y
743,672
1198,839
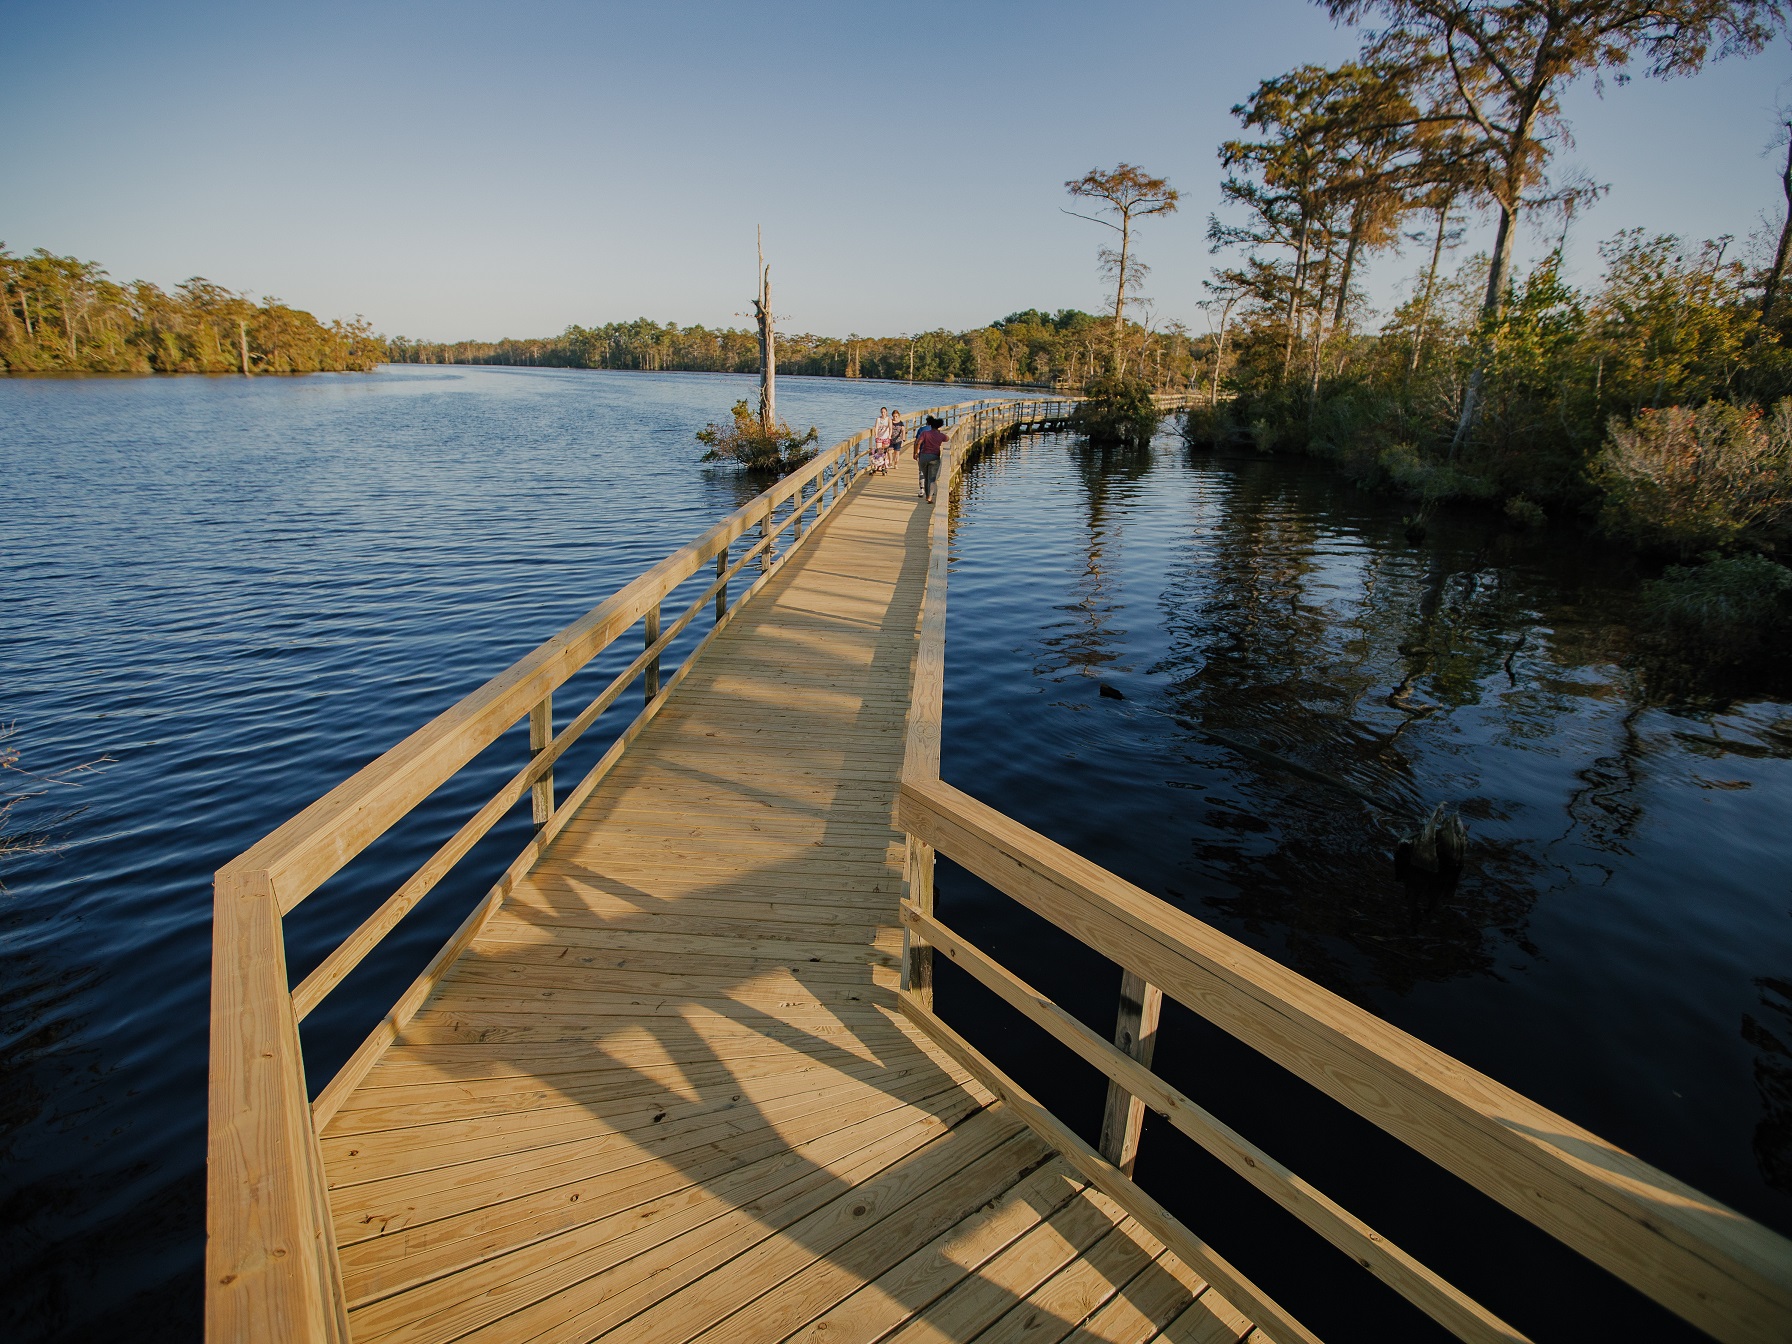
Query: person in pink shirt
x,y
929,444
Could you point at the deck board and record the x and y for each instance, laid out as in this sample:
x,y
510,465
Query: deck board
x,y
666,1094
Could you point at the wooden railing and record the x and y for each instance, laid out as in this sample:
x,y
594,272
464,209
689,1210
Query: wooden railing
x,y
1714,1267
271,1261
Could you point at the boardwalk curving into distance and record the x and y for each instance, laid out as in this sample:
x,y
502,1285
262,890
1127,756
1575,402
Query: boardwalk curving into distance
x,y
667,1092
679,1077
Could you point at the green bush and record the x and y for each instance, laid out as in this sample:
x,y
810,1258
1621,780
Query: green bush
x,y
747,443
1116,410
1210,426
1525,512
1731,605
1691,480
1427,479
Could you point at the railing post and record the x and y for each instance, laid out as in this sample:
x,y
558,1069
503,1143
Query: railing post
x,y
722,592
541,732
1135,1032
917,956
650,678
765,532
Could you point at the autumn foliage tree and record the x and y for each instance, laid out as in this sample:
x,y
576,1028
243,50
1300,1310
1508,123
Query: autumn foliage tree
x,y
1495,70
1127,194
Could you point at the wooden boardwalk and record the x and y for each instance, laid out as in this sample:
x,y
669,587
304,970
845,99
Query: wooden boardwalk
x,y
679,1075
666,1094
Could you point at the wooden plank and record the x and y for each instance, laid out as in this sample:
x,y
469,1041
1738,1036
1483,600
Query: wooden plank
x,y
877,949
1142,1306
391,1204
513,964
454,1241
1012,1275
764,983
1425,1289
1210,1319
1135,1035
870,1211
448,1104
828,1281
928,1273
815,922
270,1260
1722,1271
559,1285
1191,1249
378,1155
1064,1301
541,735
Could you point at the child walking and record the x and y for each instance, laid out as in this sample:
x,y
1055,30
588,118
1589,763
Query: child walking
x,y
880,442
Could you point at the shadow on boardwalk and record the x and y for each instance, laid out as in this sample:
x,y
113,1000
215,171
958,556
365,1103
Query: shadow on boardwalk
x,y
667,1094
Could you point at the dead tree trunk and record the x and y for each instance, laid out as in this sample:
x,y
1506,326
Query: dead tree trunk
x,y
768,348
1437,251
1770,290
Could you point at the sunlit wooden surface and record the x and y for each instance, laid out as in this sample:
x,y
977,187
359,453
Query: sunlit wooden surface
x,y
666,1094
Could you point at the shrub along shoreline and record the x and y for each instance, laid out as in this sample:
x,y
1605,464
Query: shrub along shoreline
x,y
1655,407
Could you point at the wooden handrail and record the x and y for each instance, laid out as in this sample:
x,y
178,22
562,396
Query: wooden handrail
x,y
1269,1317
1721,1271
1440,1300
1708,1263
305,852
270,1260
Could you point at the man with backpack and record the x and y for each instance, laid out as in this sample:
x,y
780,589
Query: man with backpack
x,y
929,443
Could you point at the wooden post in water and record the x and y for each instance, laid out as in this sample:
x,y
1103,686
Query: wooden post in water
x,y
1135,1032
541,732
650,679
722,592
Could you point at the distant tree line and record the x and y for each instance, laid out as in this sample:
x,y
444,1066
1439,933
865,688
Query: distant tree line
x,y
62,314
1028,349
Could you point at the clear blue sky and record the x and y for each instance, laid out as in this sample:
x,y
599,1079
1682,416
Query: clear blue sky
x,y
480,170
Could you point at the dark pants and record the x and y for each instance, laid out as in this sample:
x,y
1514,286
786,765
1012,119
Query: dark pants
x,y
930,472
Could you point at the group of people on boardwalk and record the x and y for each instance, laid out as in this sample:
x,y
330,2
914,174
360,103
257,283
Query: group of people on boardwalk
x,y
887,437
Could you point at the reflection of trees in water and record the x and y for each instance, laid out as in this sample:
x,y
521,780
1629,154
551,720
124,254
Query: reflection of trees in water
x,y
1334,681
1088,640
1771,1034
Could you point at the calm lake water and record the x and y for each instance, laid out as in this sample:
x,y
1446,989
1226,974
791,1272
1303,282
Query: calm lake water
x,y
241,591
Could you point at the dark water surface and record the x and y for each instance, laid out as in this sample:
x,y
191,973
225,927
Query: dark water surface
x,y
1619,948
242,591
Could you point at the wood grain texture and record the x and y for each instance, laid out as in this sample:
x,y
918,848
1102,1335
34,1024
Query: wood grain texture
x,y
270,1260
1135,1034
1132,1078
1722,1271
658,1090
1271,1317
